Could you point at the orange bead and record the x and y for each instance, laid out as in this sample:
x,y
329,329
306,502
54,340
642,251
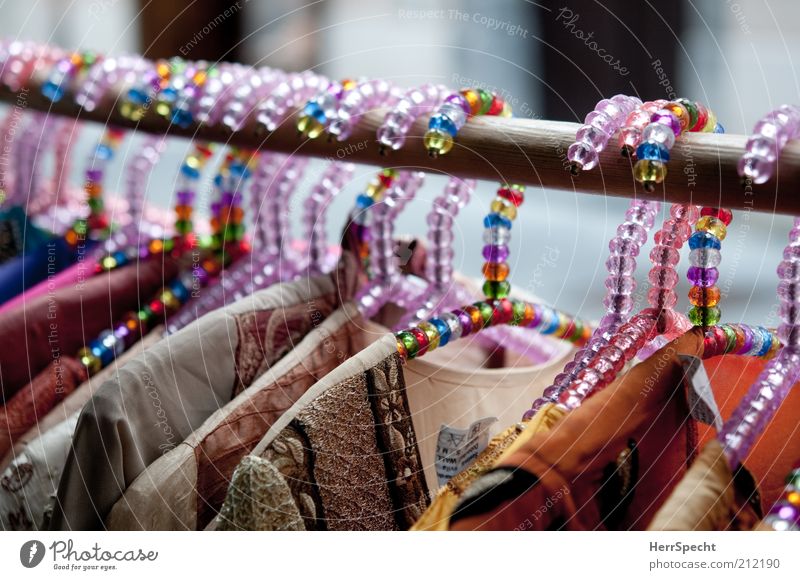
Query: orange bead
x,y
214,222
680,113
475,315
71,237
496,272
156,246
474,100
700,296
93,188
527,318
76,59
183,212
793,497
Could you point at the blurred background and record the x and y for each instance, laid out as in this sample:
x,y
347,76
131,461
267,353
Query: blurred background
x,y
552,61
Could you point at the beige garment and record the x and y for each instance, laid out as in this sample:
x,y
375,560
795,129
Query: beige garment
x,y
709,498
168,495
347,449
450,387
160,397
259,499
78,398
29,483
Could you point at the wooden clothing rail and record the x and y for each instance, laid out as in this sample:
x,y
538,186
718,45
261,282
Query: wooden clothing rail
x,y
702,169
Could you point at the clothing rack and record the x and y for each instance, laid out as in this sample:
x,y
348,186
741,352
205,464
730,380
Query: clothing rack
x,y
702,169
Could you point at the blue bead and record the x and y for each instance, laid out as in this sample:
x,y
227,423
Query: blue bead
x,y
137,96
103,152
312,109
441,123
179,291
704,240
719,128
767,341
120,257
364,201
443,329
101,351
652,151
495,219
190,172
52,91
168,95
552,325
182,117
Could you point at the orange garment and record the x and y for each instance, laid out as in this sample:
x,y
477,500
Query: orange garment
x,y
776,450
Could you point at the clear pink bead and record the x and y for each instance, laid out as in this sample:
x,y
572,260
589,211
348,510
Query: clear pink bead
x,y
789,270
634,232
662,277
621,284
661,298
583,154
621,264
664,256
630,137
763,147
601,121
623,247
756,168
688,213
592,136
618,303
609,108
638,119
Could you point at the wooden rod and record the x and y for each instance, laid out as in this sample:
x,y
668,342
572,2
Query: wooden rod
x,y
702,169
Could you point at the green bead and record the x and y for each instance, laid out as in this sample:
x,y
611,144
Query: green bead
x,y
693,114
486,100
409,342
492,289
731,336
487,310
519,313
169,244
703,316
183,226
144,314
95,203
793,479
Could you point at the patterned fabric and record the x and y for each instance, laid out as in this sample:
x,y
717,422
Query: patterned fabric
x,y
348,450
28,484
52,385
185,488
162,396
242,511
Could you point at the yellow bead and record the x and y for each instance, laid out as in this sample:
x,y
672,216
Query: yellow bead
x,y
711,123
89,360
647,170
506,112
713,226
432,333
474,101
163,109
169,300
438,142
504,208
375,190
310,127
200,77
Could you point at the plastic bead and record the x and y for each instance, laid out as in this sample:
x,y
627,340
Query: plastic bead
x,y
713,226
701,316
495,272
647,171
702,296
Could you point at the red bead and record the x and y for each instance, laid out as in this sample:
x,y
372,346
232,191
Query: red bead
x,y
386,180
503,311
421,338
722,214
157,307
511,195
702,118
497,106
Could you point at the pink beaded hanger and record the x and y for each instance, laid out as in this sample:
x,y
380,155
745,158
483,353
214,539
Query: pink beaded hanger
x,y
763,149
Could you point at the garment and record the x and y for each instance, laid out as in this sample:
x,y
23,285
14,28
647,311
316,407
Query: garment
x,y
29,483
437,516
610,464
449,390
347,451
59,324
160,397
70,276
52,385
27,270
185,488
18,235
710,497
778,446
75,401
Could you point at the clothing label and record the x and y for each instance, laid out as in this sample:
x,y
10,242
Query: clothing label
x,y
702,403
457,448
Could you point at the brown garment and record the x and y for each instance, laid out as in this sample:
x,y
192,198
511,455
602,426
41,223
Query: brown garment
x,y
710,498
51,386
71,317
584,470
184,488
159,398
347,450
